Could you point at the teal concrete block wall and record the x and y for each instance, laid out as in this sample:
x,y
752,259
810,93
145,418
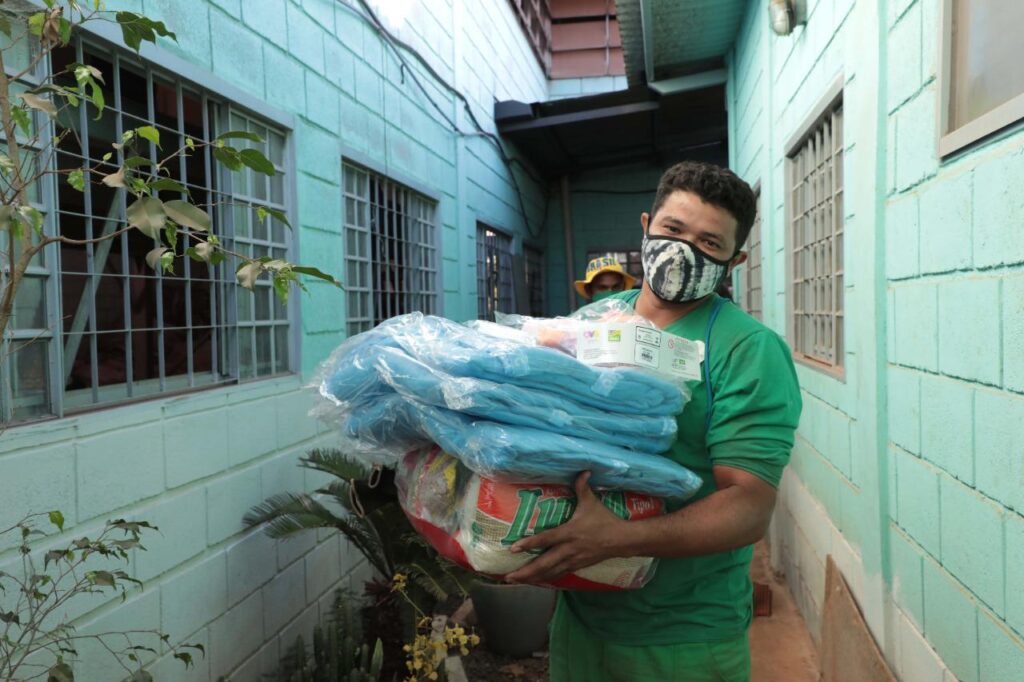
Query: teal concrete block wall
x,y
949,268
194,464
913,458
775,85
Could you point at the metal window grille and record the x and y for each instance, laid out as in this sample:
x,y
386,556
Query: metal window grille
x,y
630,260
115,330
753,294
390,250
816,241
535,281
493,272
27,348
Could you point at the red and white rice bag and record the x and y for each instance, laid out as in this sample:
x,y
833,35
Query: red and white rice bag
x,y
473,520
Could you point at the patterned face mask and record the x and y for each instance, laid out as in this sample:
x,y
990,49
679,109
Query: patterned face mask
x,y
677,271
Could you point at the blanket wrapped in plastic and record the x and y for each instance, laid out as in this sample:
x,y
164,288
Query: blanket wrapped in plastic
x,y
509,409
473,520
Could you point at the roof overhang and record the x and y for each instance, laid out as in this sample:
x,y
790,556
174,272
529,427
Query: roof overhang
x,y
617,128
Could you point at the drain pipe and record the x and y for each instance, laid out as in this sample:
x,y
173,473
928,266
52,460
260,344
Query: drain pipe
x,y
569,254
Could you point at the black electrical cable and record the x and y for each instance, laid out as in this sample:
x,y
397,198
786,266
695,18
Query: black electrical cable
x,y
397,45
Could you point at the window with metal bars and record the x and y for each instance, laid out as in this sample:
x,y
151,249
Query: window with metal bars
x,y
390,249
815,192
753,291
630,260
494,287
104,327
534,281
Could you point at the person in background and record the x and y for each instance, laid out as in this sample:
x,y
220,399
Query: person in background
x,y
605,276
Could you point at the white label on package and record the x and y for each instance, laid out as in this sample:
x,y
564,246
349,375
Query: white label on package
x,y
615,343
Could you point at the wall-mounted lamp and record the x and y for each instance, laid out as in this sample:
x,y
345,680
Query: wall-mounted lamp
x,y
785,15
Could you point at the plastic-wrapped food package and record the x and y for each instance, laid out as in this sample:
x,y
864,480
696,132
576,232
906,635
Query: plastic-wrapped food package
x,y
560,332
473,520
509,453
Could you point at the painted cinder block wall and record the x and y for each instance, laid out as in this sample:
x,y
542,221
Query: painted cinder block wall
x,y
194,464
909,471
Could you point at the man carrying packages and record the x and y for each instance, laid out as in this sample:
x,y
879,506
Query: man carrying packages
x,y
690,622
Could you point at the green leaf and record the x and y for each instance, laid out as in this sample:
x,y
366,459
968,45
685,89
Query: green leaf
x,y
76,179
40,103
20,117
137,161
135,28
65,31
254,159
188,215
185,658
57,519
278,214
35,23
171,234
115,179
242,134
314,272
168,185
248,273
6,165
149,133
204,250
60,672
102,578
32,217
147,214
281,287
5,26
229,157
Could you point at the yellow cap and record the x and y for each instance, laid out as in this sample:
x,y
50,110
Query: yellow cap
x,y
601,265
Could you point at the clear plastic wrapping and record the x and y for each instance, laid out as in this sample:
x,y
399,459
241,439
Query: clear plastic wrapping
x,y
474,521
507,408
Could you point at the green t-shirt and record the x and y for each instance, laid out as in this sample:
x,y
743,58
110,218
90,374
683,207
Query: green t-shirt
x,y
756,410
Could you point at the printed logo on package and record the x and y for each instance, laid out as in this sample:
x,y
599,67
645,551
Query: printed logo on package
x,y
649,336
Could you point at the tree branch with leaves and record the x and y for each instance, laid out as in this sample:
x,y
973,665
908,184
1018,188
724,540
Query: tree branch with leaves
x,y
36,640
168,222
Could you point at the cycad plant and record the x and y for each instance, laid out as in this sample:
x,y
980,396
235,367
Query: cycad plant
x,y
368,514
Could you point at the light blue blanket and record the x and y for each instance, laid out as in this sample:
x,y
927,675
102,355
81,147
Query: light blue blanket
x,y
517,453
460,351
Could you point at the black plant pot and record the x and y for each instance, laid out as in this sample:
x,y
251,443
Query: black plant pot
x,y
514,618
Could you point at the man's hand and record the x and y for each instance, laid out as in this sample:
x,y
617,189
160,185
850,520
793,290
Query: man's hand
x,y
593,534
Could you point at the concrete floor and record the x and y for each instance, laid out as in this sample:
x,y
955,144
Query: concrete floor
x,y
781,648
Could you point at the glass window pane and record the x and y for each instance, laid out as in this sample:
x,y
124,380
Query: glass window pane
x,y
281,349
263,351
30,363
30,304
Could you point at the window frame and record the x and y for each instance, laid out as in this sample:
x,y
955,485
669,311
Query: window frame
x,y
601,253
751,264
989,123
365,164
830,101
534,256
507,237
153,61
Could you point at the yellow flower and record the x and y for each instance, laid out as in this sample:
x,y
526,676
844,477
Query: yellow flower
x,y
398,582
